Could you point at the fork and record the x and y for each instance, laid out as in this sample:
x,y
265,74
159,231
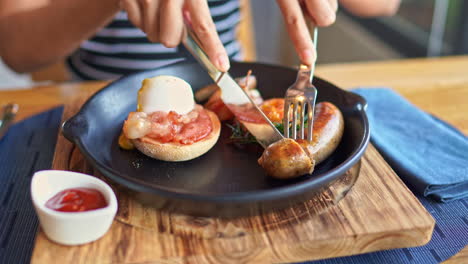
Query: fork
x,y
299,96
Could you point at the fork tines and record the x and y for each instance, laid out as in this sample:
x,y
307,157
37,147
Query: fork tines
x,y
299,104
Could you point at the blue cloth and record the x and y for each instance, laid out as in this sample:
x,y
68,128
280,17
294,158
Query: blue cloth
x,y
432,157
428,154
26,148
29,147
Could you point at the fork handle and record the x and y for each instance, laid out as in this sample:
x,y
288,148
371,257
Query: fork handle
x,y
308,71
8,115
305,74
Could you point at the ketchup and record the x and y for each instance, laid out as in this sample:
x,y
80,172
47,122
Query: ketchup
x,y
77,200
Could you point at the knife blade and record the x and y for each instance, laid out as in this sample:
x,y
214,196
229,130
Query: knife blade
x,y
8,115
233,96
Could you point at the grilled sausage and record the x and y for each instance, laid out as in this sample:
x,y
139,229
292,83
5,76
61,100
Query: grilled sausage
x,y
283,159
286,159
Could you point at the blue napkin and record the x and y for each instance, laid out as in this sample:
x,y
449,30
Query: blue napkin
x,y
427,153
27,147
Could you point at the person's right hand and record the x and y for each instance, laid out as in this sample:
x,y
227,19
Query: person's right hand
x,y
295,14
163,21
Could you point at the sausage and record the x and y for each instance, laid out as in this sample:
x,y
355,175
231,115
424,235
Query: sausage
x,y
286,159
279,160
327,133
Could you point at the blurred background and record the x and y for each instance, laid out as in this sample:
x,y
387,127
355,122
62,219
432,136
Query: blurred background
x,y
421,28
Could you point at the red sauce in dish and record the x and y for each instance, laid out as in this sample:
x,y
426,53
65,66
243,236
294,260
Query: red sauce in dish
x,y
77,200
184,129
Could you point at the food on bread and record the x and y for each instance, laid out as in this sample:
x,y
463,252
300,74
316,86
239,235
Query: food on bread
x,y
184,141
165,93
168,125
125,143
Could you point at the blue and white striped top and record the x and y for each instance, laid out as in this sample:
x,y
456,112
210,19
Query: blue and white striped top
x,y
120,48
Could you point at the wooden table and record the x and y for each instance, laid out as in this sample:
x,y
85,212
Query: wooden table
x,y
438,86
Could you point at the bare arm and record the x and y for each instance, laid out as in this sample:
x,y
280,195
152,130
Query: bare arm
x,y
371,8
35,33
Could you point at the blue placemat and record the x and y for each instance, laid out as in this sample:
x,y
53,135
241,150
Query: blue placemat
x,y
428,154
29,147
26,148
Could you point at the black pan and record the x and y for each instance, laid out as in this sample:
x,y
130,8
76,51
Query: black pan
x,y
226,181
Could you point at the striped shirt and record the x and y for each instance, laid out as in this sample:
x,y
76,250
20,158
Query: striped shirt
x,y
120,48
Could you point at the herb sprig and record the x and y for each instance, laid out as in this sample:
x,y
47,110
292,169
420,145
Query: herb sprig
x,y
240,135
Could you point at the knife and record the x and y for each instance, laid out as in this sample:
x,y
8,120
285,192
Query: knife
x,y
8,115
233,96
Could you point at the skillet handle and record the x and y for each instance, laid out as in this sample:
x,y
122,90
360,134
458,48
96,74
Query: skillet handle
x,y
360,101
75,128
354,101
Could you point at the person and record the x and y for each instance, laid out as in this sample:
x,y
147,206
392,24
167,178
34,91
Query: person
x,y
106,39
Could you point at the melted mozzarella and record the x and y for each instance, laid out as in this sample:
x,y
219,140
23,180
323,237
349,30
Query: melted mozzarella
x,y
165,93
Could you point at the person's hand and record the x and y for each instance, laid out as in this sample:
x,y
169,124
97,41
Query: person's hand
x,y
295,12
163,21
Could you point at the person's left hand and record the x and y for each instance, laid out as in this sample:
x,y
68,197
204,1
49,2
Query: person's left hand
x,y
296,12
163,21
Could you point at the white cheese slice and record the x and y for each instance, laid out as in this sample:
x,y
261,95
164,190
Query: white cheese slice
x,y
165,93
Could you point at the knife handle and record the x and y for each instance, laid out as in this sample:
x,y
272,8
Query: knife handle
x,y
193,45
8,115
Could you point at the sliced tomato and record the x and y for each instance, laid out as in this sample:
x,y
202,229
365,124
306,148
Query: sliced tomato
x,y
274,109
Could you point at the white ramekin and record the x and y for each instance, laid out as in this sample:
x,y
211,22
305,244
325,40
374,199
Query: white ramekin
x,y
71,228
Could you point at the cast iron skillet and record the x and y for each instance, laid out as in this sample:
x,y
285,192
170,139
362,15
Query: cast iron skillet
x,y
226,181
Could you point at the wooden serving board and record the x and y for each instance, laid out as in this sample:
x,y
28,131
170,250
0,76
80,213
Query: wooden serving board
x,y
378,213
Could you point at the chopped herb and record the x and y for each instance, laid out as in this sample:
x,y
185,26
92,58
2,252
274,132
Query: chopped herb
x,y
280,127
240,136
